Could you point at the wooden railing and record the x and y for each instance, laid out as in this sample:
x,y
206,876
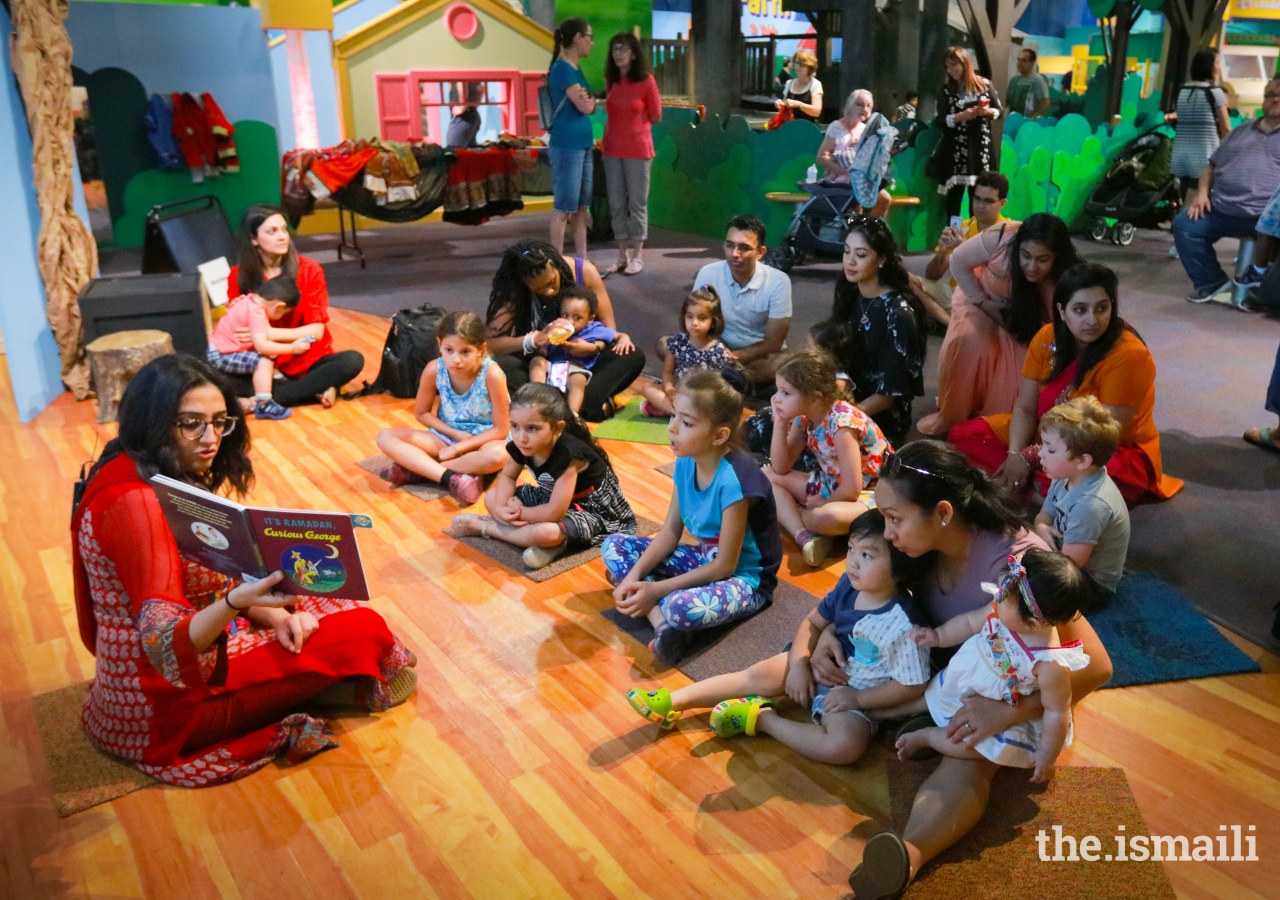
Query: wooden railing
x,y
671,63
759,57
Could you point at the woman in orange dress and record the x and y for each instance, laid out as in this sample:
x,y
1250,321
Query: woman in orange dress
x,y
1088,350
1005,278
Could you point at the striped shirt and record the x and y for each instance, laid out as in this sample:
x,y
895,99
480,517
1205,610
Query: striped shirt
x,y
877,642
1197,135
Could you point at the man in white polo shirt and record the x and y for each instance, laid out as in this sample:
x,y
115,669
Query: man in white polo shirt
x,y
755,299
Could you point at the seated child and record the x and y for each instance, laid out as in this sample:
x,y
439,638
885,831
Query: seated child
x,y
872,614
837,339
1084,514
809,411
577,500
1009,652
696,346
462,400
721,498
255,312
568,365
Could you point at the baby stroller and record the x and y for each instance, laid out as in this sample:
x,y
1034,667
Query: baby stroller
x,y
821,224
818,228
1138,191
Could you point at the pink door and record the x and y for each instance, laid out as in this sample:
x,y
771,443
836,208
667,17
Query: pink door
x,y
396,108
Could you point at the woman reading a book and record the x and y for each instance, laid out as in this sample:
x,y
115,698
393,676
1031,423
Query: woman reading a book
x,y
199,678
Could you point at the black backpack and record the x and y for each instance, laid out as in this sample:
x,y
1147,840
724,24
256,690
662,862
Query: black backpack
x,y
411,344
1267,298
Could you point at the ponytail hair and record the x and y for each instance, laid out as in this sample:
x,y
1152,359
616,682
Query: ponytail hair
x,y
717,400
564,34
552,406
934,471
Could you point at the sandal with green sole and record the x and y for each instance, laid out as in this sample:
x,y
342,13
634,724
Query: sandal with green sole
x,y
654,706
730,718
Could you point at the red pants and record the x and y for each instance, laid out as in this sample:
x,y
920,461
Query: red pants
x,y
237,713
1128,467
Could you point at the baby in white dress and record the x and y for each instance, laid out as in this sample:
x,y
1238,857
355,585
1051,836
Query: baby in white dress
x,y
1010,651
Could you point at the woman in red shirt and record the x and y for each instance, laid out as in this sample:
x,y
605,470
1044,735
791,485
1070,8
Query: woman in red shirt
x,y
266,250
632,105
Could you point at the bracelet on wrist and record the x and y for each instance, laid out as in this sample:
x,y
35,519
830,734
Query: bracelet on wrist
x,y
232,606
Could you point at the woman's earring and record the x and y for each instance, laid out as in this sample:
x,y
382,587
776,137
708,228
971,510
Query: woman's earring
x,y
947,522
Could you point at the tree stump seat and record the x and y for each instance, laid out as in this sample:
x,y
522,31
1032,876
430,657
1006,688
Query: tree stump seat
x,y
115,358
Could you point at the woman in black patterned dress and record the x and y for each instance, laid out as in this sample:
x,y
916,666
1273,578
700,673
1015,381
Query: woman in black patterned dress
x,y
876,329
967,105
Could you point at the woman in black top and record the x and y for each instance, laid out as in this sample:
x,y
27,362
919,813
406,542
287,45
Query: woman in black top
x,y
803,92
967,105
524,304
876,329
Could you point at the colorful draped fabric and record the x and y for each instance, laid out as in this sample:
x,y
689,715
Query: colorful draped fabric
x,y
482,184
155,697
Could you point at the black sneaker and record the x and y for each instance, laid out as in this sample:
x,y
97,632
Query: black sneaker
x,y
1207,294
884,871
670,644
1251,277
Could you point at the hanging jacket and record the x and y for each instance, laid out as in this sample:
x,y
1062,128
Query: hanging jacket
x,y
226,159
871,159
158,120
192,132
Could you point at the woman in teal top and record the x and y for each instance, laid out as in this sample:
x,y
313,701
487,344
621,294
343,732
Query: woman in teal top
x,y
571,136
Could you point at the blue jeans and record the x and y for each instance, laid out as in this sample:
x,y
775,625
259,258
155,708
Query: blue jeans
x,y
571,174
1195,240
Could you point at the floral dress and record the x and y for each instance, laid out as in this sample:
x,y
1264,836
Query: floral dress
x,y
893,365
822,444
971,152
154,693
714,356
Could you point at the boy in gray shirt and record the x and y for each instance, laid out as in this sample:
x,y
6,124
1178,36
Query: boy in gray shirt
x,y
1083,515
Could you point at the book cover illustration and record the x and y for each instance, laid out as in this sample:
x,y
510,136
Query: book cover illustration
x,y
317,551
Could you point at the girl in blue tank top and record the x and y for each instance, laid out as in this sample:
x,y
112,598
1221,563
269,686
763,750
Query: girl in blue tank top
x,y
466,434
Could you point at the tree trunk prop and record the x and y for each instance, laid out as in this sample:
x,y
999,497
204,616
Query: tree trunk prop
x,y
67,253
115,358
1194,24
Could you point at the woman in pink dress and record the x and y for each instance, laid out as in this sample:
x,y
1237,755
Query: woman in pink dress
x,y
997,308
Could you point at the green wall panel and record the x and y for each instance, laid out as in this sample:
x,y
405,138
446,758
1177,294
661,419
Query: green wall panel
x,y
607,18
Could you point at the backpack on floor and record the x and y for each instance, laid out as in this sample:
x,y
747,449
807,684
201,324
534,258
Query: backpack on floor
x,y
411,344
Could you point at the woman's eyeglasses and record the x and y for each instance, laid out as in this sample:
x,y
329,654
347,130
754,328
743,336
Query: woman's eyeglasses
x,y
893,466
193,429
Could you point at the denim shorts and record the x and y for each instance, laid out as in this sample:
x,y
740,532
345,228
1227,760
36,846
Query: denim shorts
x,y
571,174
820,697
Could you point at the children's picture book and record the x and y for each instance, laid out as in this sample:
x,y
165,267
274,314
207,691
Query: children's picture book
x,y
317,551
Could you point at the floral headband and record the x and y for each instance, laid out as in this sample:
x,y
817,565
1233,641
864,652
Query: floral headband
x,y
1015,576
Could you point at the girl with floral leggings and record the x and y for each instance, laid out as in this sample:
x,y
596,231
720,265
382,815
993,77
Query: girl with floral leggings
x,y
726,504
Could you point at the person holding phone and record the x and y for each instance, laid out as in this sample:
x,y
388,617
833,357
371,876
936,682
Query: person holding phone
x,y
967,105
986,201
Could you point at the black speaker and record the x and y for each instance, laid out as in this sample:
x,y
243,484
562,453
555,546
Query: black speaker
x,y
182,235
164,302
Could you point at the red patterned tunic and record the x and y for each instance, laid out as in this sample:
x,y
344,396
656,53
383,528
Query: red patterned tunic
x,y
155,696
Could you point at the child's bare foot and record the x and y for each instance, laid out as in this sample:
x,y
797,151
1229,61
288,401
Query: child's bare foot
x,y
247,404
470,523
329,397
912,743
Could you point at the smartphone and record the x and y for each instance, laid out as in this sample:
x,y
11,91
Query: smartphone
x,y
957,223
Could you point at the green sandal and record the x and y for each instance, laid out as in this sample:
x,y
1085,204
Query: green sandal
x,y
733,717
654,706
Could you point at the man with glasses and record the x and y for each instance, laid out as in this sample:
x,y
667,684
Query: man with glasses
x,y
1235,188
987,200
754,298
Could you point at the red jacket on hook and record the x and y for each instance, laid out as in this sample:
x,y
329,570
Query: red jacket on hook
x,y
228,160
192,132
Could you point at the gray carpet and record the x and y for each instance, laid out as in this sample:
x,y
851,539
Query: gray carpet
x,y
1216,543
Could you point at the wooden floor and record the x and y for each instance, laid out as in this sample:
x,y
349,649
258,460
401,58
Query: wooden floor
x,y
518,770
